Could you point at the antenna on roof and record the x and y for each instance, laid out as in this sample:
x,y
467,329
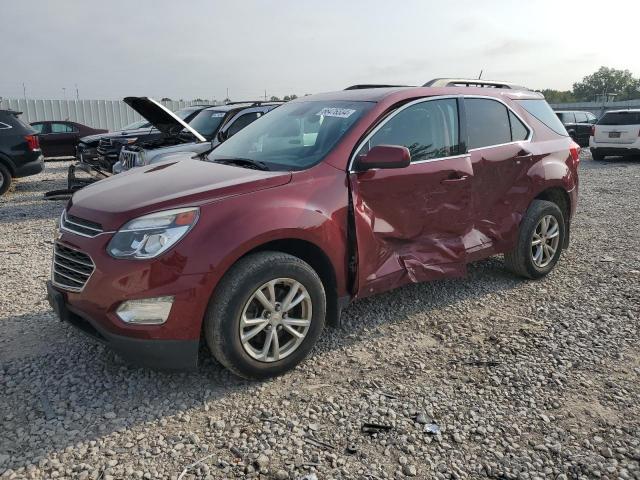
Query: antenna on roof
x,y
480,76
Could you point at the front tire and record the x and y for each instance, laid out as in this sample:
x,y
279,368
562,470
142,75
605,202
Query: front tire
x,y
266,315
5,179
540,240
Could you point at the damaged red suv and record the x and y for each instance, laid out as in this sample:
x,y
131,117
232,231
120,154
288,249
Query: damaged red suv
x,y
327,199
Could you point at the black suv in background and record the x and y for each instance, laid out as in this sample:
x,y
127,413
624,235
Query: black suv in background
x,y
578,125
20,153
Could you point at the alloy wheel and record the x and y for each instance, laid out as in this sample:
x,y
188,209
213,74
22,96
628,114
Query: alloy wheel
x,y
545,240
275,320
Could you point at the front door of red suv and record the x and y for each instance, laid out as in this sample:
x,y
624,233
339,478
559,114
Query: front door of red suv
x,y
411,222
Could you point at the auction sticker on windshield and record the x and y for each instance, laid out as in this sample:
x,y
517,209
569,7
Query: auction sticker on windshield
x,y
336,112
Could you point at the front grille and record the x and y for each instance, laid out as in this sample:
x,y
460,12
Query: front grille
x,y
79,226
104,142
71,268
128,159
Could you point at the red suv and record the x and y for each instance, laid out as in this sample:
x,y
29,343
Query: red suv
x,y
327,199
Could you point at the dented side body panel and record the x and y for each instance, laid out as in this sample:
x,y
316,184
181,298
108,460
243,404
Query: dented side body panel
x,y
412,225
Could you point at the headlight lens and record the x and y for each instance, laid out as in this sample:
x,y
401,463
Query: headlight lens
x,y
151,235
131,140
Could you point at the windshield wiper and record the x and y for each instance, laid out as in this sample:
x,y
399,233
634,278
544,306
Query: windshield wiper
x,y
243,162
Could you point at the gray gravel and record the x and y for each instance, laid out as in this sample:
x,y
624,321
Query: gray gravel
x,y
490,376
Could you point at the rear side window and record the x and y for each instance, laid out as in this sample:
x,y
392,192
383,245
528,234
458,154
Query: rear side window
x,y
620,118
487,122
428,129
518,131
38,127
542,111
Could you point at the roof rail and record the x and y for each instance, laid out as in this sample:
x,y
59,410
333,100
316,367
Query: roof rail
x,y
252,102
362,86
472,82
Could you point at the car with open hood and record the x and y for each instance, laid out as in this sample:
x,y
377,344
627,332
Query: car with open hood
x,y
210,127
104,149
325,200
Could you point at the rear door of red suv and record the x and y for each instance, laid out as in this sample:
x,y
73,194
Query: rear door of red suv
x,y
498,144
410,222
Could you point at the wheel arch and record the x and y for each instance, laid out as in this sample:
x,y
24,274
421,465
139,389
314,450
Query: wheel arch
x,y
318,260
561,198
4,160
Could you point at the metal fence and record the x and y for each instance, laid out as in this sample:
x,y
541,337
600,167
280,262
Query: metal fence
x,y
109,114
597,108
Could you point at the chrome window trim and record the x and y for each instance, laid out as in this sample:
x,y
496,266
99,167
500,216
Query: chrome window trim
x,y
392,115
509,109
445,97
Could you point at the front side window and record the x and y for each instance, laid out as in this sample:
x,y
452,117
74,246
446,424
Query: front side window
x,y
428,129
293,136
581,117
38,127
241,122
487,122
61,128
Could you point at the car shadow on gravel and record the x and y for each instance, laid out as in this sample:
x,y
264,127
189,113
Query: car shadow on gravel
x,y
81,391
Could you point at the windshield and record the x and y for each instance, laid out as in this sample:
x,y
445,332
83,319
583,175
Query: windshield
x,y
620,118
294,136
135,125
206,122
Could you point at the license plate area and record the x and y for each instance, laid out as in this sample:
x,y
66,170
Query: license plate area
x,y
614,134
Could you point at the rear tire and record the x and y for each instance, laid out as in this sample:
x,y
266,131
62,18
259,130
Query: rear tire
x,y
530,258
237,309
598,157
5,179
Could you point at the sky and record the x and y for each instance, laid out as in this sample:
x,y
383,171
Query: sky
x,y
186,49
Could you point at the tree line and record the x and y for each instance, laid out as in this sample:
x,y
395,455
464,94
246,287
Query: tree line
x,y
620,84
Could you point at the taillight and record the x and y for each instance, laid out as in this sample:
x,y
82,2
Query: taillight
x,y
593,130
33,142
575,154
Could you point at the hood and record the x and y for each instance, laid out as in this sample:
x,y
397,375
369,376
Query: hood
x,y
160,116
180,181
119,133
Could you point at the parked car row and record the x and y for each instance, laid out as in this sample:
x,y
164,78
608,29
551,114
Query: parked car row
x,y
254,246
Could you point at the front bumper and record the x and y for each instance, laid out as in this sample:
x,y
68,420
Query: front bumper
x,y
152,353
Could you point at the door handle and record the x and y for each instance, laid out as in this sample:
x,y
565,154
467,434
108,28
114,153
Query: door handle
x,y
455,177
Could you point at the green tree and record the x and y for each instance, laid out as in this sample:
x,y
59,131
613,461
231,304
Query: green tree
x,y
608,80
275,99
558,96
166,99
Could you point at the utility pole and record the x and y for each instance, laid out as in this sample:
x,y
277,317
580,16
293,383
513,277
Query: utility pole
x,y
480,76
64,93
265,94
24,91
77,93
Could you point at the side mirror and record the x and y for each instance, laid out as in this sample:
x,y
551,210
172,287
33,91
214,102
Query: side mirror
x,y
384,156
222,136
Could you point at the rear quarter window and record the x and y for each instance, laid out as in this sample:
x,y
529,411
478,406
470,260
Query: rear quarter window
x,y
541,110
620,118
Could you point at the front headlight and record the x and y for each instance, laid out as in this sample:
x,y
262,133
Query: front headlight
x,y
130,141
151,235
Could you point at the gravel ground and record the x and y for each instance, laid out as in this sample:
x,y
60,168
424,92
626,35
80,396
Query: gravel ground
x,y
490,376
